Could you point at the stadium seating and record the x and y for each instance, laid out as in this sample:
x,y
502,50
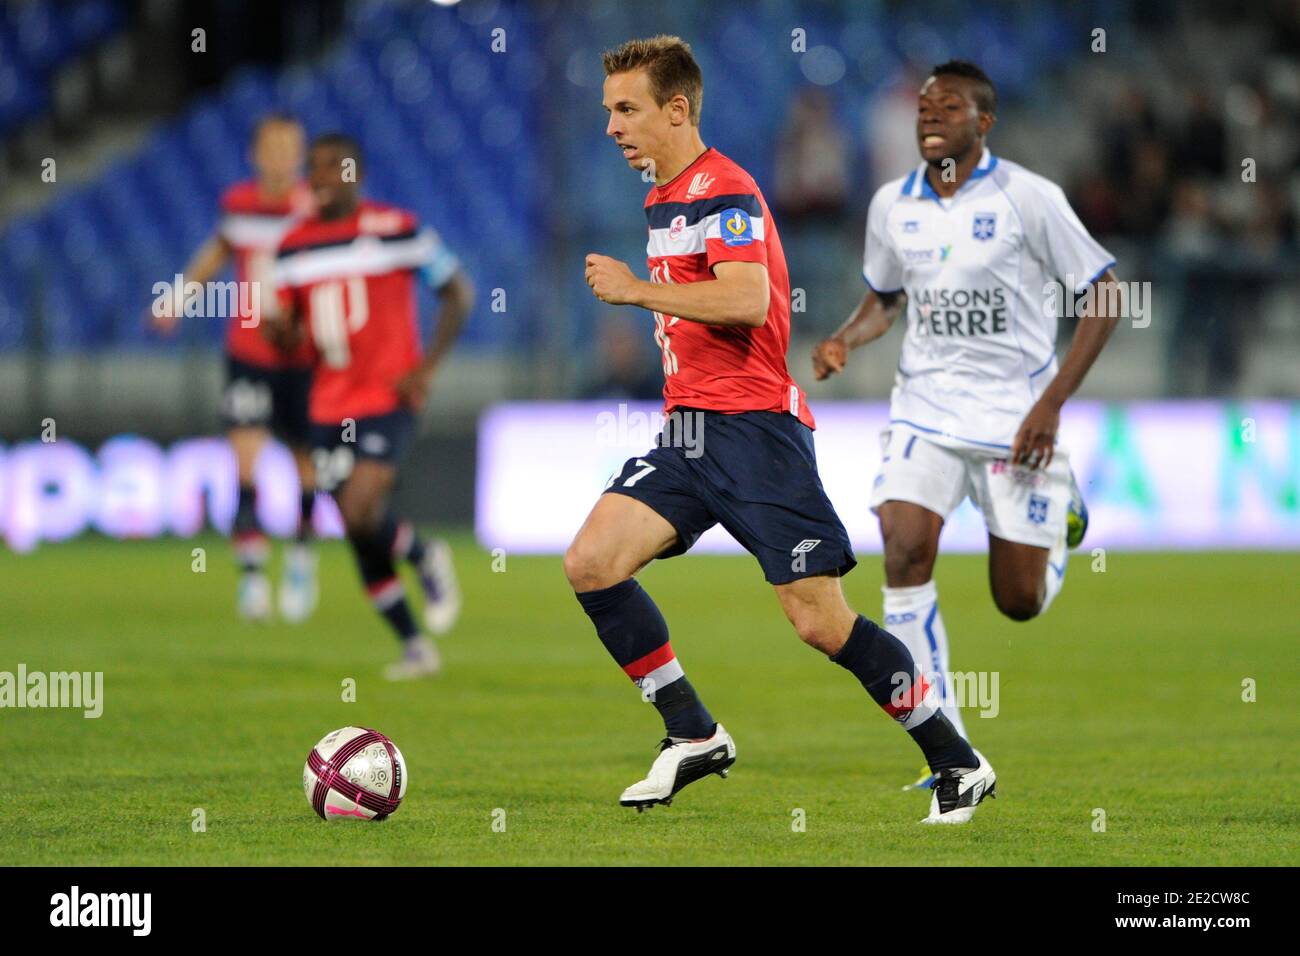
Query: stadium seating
x,y
36,38
450,129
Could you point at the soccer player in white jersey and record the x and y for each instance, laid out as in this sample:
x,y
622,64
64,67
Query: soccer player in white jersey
x,y
965,245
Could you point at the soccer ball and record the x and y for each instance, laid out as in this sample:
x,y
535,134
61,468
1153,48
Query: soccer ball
x,y
354,773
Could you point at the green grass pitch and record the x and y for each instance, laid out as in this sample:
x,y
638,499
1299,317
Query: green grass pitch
x,y
1126,697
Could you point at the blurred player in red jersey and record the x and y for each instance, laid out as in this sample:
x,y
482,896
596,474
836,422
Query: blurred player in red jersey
x,y
266,387
346,282
720,296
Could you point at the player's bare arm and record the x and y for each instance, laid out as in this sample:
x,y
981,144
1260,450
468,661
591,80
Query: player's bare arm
x,y
456,299
208,260
1035,442
738,296
868,322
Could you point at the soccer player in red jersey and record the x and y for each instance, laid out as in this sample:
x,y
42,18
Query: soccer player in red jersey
x,y
266,387
346,281
720,297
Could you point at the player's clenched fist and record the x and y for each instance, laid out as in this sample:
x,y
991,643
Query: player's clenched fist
x,y
828,358
611,281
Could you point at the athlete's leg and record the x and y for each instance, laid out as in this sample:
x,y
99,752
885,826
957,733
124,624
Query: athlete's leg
x,y
1018,577
363,500
911,535
816,607
363,497
432,561
621,536
247,442
919,485
252,548
307,490
299,589
1026,512
291,390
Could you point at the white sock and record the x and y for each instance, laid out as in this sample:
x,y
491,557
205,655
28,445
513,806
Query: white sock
x,y
912,616
1054,574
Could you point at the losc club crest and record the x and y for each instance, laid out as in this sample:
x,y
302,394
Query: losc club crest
x,y
984,225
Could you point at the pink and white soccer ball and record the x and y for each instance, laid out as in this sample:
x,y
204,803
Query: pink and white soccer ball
x,y
354,774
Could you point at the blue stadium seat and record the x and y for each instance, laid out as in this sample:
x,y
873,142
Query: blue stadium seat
x,y
447,127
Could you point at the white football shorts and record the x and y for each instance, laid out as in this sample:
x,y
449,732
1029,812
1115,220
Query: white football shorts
x,y
1019,504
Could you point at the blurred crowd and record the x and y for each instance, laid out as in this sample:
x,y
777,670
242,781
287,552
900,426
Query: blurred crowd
x,y
1209,185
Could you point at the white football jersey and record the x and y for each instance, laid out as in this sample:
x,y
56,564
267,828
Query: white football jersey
x,y
981,331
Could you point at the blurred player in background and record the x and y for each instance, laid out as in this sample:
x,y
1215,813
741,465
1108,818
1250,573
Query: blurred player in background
x,y
346,283
967,244
266,387
720,295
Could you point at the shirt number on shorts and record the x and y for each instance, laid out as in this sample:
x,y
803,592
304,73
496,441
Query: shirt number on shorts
x,y
332,466
247,401
645,470
337,310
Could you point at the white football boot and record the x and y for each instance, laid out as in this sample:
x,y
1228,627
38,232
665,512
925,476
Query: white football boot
x,y
441,591
958,791
679,764
299,590
420,658
254,601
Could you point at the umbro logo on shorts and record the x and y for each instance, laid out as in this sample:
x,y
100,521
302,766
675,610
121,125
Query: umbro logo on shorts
x,y
806,545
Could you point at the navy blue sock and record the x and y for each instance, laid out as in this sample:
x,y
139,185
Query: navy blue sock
x,y
251,546
384,587
306,506
401,539
246,510
634,632
884,666
942,745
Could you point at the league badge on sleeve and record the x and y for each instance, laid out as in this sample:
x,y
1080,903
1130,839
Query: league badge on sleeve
x,y
737,230
984,225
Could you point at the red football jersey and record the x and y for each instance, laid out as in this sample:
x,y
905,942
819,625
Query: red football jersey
x,y
712,212
352,282
253,227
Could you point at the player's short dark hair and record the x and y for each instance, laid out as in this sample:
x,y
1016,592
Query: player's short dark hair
x,y
346,144
668,62
986,95
275,117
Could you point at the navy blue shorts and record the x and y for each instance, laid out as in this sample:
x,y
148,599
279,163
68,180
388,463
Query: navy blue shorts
x,y
335,449
270,398
754,473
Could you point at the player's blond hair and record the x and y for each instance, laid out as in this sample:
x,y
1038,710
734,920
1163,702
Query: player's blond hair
x,y
668,63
